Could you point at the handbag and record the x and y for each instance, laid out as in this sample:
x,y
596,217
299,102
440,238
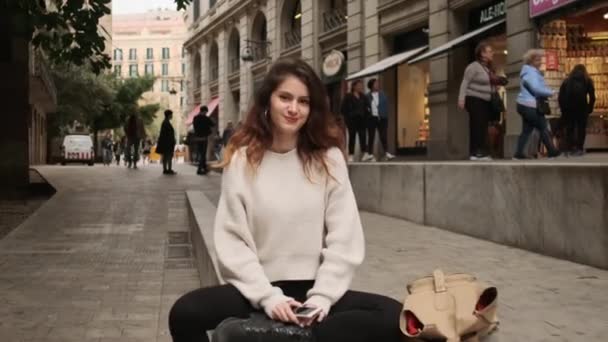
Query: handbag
x,y
497,105
453,308
542,103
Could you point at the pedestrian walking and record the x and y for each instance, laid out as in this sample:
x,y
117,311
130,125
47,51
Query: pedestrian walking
x,y
356,110
147,149
287,229
117,151
135,132
106,148
576,101
531,104
166,143
378,120
203,127
478,85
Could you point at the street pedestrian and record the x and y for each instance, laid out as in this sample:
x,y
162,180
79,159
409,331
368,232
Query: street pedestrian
x,y
287,230
135,132
379,118
478,84
106,147
117,151
533,91
576,101
356,110
166,143
203,127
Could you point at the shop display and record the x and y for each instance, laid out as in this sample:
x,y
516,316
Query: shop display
x,y
571,44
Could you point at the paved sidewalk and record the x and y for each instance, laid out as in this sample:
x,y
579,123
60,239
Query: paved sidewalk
x,y
104,259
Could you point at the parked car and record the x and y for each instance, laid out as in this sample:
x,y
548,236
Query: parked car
x,y
77,148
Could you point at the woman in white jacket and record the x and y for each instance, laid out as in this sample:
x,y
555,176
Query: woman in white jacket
x,y
287,230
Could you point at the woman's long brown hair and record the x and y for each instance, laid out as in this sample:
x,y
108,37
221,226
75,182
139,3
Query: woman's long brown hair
x,y
317,135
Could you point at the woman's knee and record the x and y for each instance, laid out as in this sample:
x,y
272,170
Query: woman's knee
x,y
184,314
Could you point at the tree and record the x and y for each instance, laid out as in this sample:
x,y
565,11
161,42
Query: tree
x,y
67,30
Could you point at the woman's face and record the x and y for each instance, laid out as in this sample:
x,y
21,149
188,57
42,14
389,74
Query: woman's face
x,y
289,106
537,61
488,54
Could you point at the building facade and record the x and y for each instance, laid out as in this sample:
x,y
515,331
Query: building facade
x,y
418,49
151,44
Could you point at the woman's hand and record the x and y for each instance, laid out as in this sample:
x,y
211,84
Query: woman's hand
x,y
308,322
461,105
283,312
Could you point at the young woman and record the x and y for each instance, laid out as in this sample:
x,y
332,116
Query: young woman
x,y
532,88
478,83
576,100
287,230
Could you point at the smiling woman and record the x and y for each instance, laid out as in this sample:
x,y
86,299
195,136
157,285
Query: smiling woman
x,y
289,235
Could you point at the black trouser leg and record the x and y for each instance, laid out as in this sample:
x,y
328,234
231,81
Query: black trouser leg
x,y
581,124
478,125
356,317
204,309
362,131
570,128
373,123
202,156
167,161
382,129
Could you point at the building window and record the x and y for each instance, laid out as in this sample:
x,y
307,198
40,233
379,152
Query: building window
x,y
133,70
165,70
165,53
149,69
196,9
149,53
183,68
118,54
181,101
132,54
118,70
181,85
183,52
164,85
212,3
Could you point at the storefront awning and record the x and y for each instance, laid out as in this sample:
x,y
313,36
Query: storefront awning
x,y
386,63
455,42
212,105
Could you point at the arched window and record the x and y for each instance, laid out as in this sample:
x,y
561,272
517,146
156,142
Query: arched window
x,y
260,37
334,14
234,51
197,70
291,23
213,62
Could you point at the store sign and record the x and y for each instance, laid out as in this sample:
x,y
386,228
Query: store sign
x,y
484,15
539,7
332,64
552,60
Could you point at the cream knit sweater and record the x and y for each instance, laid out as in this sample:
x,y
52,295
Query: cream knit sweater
x,y
275,224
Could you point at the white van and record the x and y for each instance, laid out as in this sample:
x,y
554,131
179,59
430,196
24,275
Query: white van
x,y
77,149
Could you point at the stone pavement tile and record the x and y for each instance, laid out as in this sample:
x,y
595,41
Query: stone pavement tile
x,y
540,298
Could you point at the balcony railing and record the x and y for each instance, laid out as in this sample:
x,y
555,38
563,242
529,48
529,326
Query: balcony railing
x,y
334,19
235,65
292,38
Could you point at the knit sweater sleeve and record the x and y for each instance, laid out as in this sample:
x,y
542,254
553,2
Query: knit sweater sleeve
x,y
344,246
235,246
469,73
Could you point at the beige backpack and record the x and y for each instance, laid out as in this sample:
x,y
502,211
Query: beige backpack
x,y
456,307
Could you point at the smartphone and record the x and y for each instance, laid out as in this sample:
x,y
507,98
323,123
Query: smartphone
x,y
307,312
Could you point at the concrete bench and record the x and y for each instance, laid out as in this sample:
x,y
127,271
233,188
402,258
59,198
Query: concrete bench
x,y
258,327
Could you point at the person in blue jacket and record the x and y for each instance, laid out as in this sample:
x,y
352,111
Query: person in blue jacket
x,y
533,87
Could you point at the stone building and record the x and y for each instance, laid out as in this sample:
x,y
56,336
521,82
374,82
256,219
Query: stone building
x,y
151,44
417,48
